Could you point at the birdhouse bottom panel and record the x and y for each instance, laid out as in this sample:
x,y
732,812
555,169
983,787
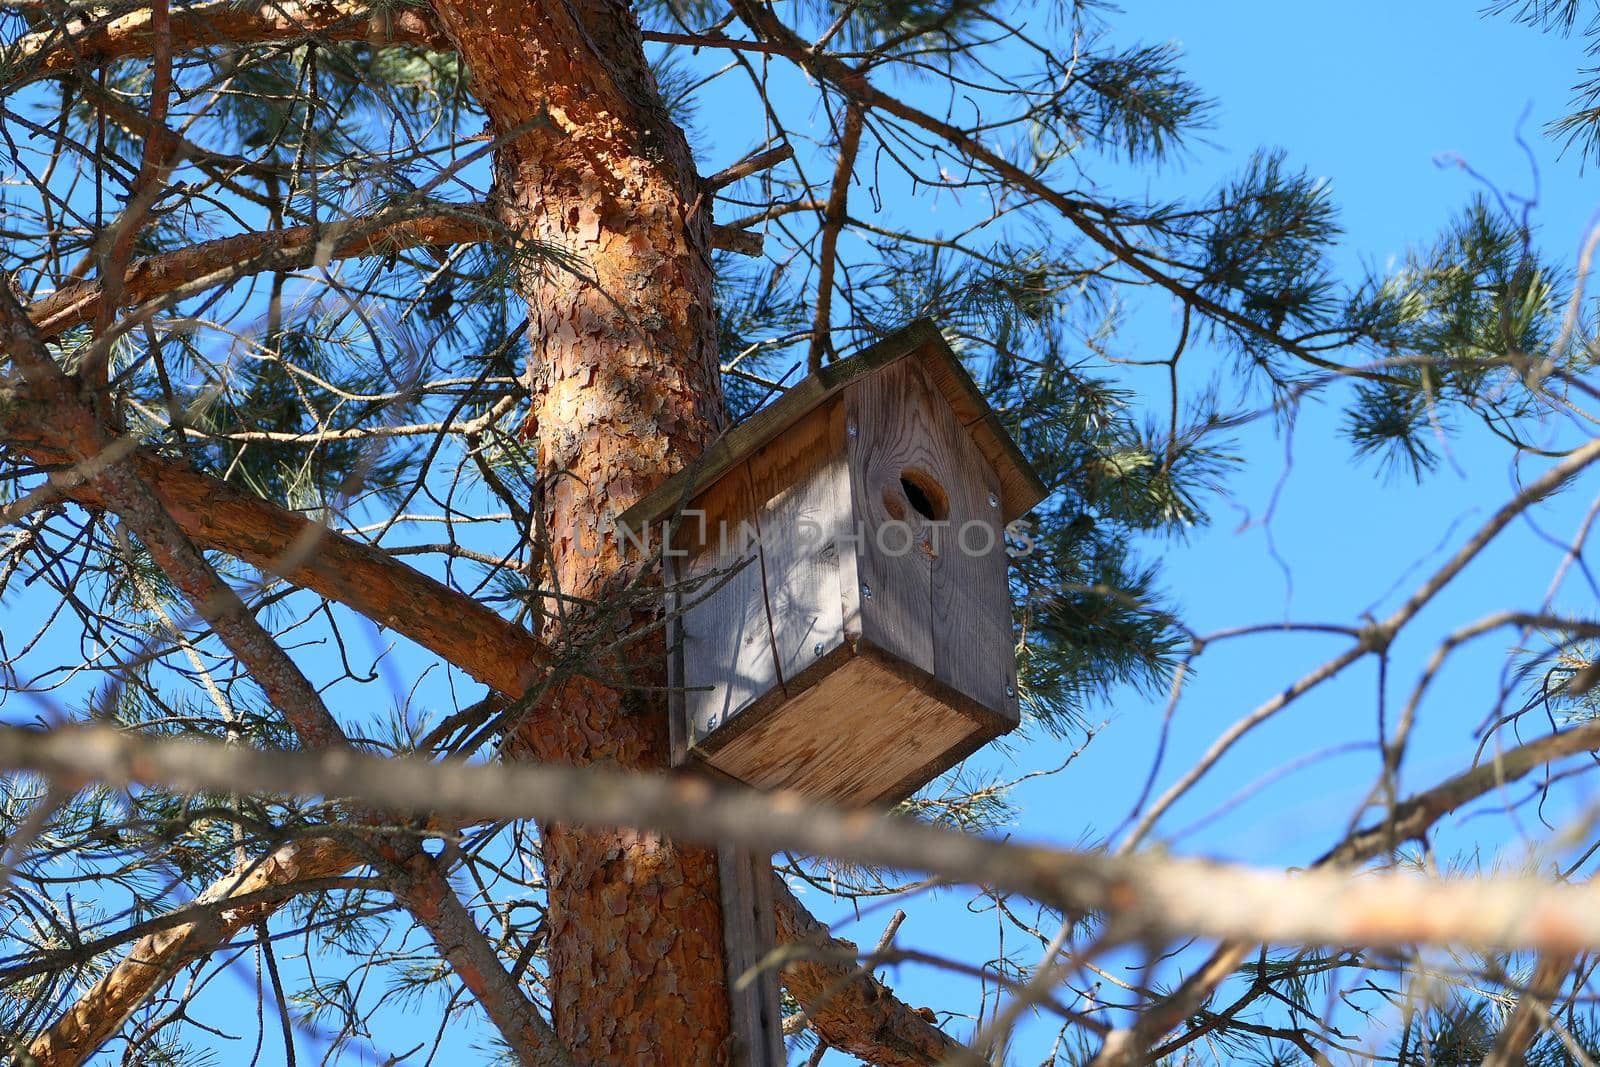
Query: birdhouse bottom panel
x,y
866,734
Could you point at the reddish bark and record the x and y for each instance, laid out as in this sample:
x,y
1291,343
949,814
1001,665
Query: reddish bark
x,y
625,393
850,1010
624,366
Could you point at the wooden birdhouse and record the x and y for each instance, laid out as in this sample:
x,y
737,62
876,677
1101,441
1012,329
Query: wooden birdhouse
x,y
837,570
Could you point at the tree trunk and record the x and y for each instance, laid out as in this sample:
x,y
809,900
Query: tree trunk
x,y
625,391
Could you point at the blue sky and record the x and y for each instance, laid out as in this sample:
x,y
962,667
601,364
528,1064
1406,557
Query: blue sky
x,y
1379,102
1385,101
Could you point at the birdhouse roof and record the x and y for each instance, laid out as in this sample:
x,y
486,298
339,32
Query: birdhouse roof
x,y
1020,487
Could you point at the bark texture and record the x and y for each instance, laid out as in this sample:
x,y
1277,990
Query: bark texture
x,y
625,391
850,1010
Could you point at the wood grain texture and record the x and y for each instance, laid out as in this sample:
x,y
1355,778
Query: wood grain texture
x,y
1020,487
853,738
726,635
796,481
890,413
973,646
749,936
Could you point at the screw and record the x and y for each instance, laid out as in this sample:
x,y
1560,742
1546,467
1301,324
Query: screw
x,y
850,428
817,648
866,590
994,501
1010,690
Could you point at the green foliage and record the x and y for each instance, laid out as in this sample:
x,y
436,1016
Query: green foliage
x,y
1132,101
1449,326
1262,248
1580,127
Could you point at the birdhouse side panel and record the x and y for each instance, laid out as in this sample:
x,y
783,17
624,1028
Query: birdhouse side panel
x,y
801,482
724,651
932,556
974,651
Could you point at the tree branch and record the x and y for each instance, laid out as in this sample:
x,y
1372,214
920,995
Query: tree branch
x,y
419,883
1533,1010
834,219
1141,897
95,40
1102,231
292,248
1410,821
227,259
851,1011
856,1014
97,1014
221,516
414,876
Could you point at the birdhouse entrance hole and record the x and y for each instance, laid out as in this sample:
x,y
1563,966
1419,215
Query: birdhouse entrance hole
x,y
926,497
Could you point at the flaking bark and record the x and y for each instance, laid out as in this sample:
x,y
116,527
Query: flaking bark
x,y
625,391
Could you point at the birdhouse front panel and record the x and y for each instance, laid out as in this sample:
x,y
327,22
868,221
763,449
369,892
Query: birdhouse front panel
x,y
841,618
933,566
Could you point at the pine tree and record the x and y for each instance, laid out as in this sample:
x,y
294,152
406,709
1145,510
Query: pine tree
x,y
332,325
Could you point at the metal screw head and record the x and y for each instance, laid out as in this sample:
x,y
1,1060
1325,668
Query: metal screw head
x,y
866,591
817,649
850,428
994,501
1011,690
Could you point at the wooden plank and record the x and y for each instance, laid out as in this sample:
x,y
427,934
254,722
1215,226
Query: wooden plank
x,y
1020,484
850,542
973,648
795,481
862,736
891,414
749,929
677,709
727,663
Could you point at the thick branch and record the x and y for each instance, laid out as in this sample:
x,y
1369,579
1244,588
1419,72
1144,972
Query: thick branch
x,y
853,1012
98,1013
856,1014
250,253
219,515
227,259
1141,896
1410,821
217,23
417,881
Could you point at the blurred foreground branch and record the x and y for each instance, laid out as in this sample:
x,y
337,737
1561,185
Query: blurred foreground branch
x,y
1142,896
